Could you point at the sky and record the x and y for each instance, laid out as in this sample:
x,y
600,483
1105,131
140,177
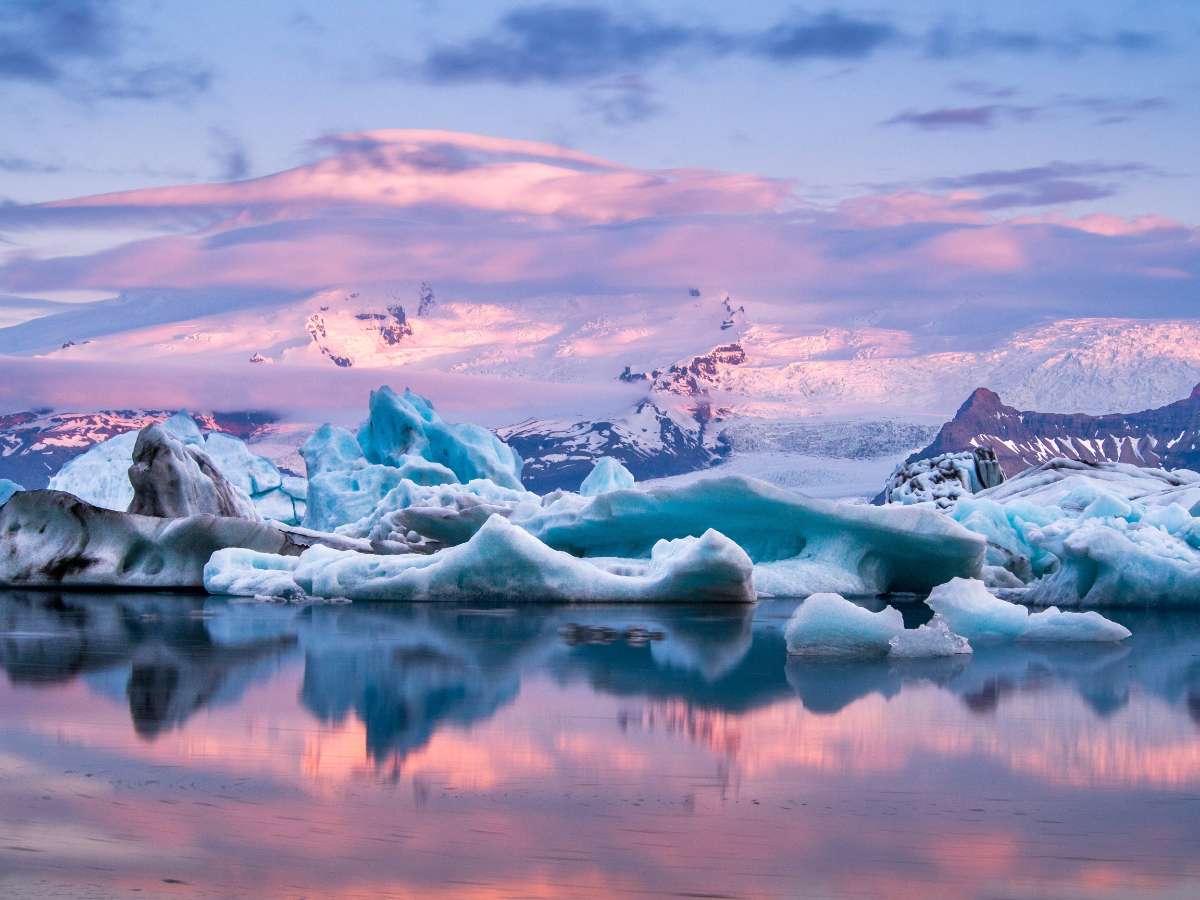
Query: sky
x,y
831,159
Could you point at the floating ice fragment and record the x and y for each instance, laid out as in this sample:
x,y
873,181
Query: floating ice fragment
x,y
971,610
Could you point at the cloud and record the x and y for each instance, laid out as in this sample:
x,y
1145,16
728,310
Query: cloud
x,y
563,43
229,154
1045,185
25,166
489,217
948,41
1112,110
621,101
1104,110
830,35
80,47
555,43
960,117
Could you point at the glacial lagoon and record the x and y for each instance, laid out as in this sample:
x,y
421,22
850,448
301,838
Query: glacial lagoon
x,y
174,745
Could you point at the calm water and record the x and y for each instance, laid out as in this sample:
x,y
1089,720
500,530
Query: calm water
x,y
182,746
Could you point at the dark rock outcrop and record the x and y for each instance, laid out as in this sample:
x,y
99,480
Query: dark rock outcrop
x,y
1166,437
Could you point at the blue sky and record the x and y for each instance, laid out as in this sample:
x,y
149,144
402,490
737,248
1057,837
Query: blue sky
x,y
150,93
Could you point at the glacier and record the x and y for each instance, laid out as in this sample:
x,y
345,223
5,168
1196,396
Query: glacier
x,y
500,560
972,611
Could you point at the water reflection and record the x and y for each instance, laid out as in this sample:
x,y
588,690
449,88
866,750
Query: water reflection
x,y
584,750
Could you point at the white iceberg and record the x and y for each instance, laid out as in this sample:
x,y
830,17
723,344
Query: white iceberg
x,y
607,475
172,479
972,611
100,476
827,624
1087,534
500,561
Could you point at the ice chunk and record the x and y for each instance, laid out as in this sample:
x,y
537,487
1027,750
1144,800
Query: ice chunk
x,y
7,489
504,561
53,539
928,641
828,624
399,426
607,475
249,573
871,549
173,479
1080,534
1111,562
971,610
337,497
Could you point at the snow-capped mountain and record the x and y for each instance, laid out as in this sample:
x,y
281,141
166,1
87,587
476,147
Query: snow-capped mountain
x,y
1166,437
762,362
35,444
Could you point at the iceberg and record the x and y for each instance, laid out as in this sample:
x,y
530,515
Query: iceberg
x,y
399,427
607,475
7,489
100,475
54,539
172,479
500,561
942,480
800,545
971,610
1091,534
827,624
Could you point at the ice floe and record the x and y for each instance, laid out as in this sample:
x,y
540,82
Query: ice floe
x,y
829,625
972,611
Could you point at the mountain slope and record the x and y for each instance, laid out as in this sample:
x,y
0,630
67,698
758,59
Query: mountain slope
x,y
1167,436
